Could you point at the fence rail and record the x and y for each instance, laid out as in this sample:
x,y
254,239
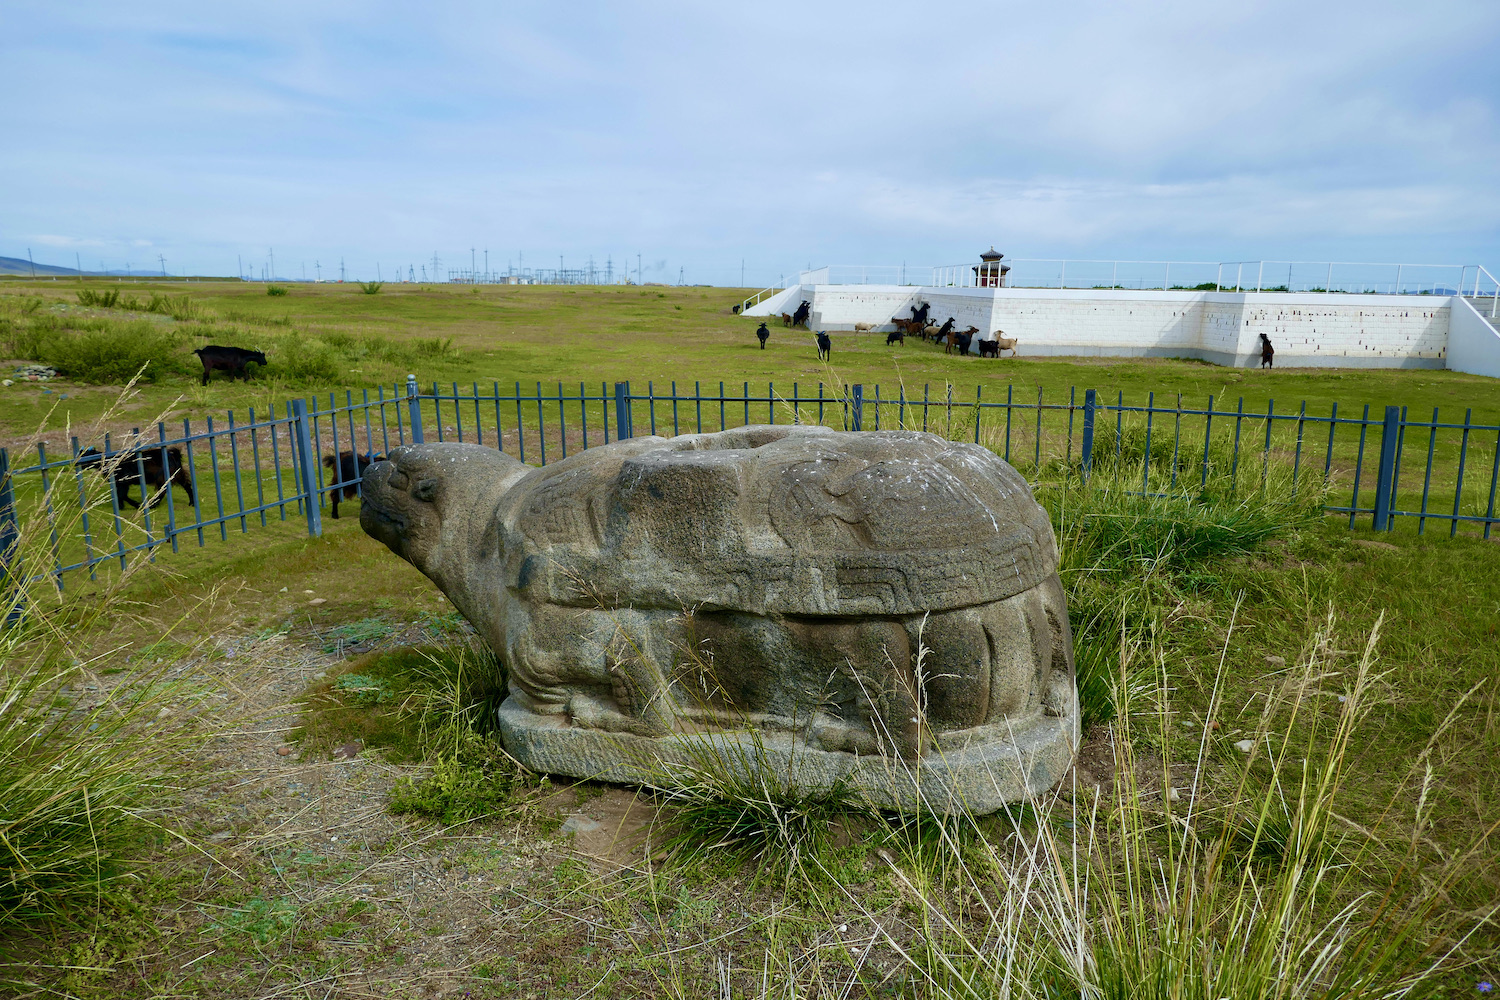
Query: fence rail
x,y
274,469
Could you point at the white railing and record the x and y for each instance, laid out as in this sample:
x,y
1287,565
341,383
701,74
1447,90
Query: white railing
x,y
766,293
1493,283
1346,277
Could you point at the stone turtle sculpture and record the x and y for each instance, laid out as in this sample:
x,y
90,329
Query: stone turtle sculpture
x,y
878,611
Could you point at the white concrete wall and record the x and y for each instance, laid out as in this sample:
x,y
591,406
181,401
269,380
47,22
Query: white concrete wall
x,y
1307,329
1473,343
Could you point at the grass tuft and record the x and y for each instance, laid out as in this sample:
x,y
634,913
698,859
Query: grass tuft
x,y
90,752
727,795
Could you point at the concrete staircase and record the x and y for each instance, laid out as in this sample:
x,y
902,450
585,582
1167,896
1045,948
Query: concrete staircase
x,y
1483,304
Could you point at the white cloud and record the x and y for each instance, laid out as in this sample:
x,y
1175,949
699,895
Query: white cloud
x,y
871,131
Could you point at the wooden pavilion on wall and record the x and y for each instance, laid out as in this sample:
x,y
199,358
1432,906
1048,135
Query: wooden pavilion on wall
x,y
989,272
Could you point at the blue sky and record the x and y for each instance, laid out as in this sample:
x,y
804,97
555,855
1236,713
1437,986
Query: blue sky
x,y
700,135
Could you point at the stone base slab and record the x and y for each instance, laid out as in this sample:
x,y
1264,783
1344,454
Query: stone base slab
x,y
980,778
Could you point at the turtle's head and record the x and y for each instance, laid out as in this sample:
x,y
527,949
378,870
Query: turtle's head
x,y
431,504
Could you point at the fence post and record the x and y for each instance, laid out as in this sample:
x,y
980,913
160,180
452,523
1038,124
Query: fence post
x,y
414,409
624,426
307,466
10,539
1385,477
857,414
1086,452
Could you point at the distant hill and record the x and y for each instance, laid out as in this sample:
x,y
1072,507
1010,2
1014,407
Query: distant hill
x,y
15,265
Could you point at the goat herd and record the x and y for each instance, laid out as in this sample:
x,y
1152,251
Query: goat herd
x,y
916,325
143,468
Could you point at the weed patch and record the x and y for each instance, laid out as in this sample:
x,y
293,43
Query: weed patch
x,y
476,779
261,921
355,633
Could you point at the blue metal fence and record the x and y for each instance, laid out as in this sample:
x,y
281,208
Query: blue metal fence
x,y
271,468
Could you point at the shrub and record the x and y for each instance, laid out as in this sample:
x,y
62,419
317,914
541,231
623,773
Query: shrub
x,y
432,347
182,307
106,353
371,287
104,300
300,359
275,289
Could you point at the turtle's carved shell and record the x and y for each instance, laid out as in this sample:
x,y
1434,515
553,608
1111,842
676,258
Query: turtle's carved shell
x,y
772,520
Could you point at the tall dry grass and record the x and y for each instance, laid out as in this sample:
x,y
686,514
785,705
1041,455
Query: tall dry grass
x,y
91,753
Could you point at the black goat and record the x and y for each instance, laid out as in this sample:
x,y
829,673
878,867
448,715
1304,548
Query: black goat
x,y
763,334
1267,352
126,468
896,336
351,469
963,341
231,359
801,316
825,346
989,349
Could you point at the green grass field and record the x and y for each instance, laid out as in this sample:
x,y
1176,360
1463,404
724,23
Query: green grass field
x,y
1213,607
598,334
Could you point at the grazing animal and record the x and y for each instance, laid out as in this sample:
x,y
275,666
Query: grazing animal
x,y
786,319
919,314
909,327
945,333
763,334
929,332
1005,344
989,349
1267,352
897,336
231,359
800,317
825,346
954,339
351,469
864,327
126,468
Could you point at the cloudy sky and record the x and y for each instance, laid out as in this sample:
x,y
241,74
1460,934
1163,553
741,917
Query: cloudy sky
x,y
700,135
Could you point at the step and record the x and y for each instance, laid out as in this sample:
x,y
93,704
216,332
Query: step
x,y
1483,304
